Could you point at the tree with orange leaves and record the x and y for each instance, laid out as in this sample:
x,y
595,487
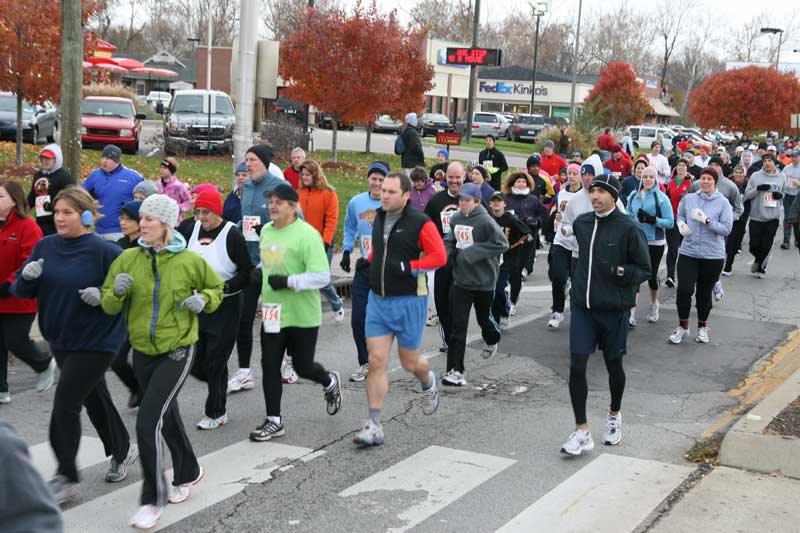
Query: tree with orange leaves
x,y
30,45
617,98
351,66
746,99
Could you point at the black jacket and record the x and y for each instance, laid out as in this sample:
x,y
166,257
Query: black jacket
x,y
498,160
604,245
413,155
441,202
390,269
48,184
516,233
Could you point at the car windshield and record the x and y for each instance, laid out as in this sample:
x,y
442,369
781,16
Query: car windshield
x,y
223,106
529,119
107,108
188,103
437,118
9,103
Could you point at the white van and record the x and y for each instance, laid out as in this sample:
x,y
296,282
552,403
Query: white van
x,y
643,136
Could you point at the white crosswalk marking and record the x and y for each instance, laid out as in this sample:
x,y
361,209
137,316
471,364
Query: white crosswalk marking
x,y
444,474
90,453
611,494
228,471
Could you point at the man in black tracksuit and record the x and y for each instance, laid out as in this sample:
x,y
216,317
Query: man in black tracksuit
x,y
613,260
494,161
516,232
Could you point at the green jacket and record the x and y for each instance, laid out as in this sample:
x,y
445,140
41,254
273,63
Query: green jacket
x,y
157,323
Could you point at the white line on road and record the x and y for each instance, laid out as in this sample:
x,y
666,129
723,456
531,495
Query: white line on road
x,y
90,453
443,474
611,494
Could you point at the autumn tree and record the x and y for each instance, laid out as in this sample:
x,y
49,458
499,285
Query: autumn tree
x,y
30,50
617,98
351,65
746,99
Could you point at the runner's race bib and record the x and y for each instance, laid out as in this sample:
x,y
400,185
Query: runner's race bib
x,y
463,236
445,218
41,201
271,317
366,245
249,224
768,200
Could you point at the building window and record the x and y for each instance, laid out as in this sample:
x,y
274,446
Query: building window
x,y
516,108
495,107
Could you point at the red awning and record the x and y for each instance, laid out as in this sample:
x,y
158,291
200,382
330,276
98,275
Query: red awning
x,y
155,72
128,63
111,67
105,46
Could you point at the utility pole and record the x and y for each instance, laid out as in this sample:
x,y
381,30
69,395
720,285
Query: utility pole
x,y
539,9
246,84
575,67
71,85
208,74
473,70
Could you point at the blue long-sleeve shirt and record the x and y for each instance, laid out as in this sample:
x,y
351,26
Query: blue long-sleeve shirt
x,y
113,190
70,265
232,208
358,222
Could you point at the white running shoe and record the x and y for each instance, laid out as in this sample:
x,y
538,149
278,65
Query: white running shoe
x,y
719,292
180,493
504,321
632,321
702,335
454,378
47,377
555,320
360,374
488,351
288,375
338,316
430,403
652,313
212,423
613,433
512,310
5,397
370,435
678,334
432,321
241,380
578,442
146,517
727,272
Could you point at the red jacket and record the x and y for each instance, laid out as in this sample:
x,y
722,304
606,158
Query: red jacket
x,y
623,166
321,210
605,142
292,176
552,164
17,240
677,192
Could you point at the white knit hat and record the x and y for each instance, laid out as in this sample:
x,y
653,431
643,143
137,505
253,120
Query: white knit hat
x,y
162,207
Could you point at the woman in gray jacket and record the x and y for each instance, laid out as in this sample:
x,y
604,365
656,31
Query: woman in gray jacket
x,y
704,219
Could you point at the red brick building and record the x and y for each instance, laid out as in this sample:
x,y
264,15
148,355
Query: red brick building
x,y
221,58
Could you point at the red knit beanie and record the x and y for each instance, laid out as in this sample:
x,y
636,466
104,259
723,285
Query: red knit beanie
x,y
210,199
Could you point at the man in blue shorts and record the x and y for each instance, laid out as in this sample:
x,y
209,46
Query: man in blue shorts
x,y
405,245
612,262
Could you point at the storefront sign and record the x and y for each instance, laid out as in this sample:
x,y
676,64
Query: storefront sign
x,y
449,139
501,87
474,56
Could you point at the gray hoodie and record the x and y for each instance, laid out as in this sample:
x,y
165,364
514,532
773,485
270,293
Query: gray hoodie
x,y
477,243
763,207
729,190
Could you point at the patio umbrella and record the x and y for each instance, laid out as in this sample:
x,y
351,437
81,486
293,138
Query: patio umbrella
x,y
109,67
155,72
128,63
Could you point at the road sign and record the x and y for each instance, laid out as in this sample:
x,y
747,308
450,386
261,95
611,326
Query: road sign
x,y
474,56
448,139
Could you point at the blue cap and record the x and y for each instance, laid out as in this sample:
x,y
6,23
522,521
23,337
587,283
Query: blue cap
x,y
241,167
443,152
380,167
587,169
470,190
132,209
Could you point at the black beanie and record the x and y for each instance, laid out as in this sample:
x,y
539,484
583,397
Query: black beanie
x,y
263,152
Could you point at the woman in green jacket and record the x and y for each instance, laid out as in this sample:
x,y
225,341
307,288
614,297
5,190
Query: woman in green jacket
x,y
162,287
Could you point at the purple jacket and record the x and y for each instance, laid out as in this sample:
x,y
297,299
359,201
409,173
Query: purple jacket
x,y
179,192
420,198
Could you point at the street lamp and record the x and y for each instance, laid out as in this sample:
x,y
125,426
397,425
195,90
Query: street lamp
x,y
539,10
778,51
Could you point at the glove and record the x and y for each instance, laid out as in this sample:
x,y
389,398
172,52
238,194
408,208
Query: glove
x,y
47,206
278,282
645,217
5,290
700,216
763,187
684,229
90,296
618,271
777,195
122,283
361,263
345,262
195,303
257,277
33,270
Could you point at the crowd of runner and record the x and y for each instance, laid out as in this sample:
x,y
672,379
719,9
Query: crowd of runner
x,y
158,282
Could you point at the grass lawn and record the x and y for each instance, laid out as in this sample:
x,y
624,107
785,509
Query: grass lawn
x,y
348,176
501,144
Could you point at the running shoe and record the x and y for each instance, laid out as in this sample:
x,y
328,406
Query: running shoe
x,y
761,274
652,313
755,267
46,377
632,321
512,310
268,430
241,380
212,423
613,433
719,292
670,283
454,378
430,402
702,335
360,374
578,442
62,489
338,316
678,334
5,397
727,273
333,395
488,351
119,471
432,321
443,348
504,321
180,493
785,246
555,320
146,517
370,435
288,375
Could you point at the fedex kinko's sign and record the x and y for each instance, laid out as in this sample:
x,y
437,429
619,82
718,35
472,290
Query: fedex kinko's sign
x,y
501,87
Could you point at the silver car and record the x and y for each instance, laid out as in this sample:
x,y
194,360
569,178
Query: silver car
x,y
385,123
38,121
483,123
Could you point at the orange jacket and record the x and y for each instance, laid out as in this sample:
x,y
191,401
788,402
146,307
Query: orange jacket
x,y
321,210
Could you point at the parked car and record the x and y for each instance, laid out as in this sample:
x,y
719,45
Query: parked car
x,y
433,123
38,121
325,121
154,97
385,123
110,120
189,124
284,105
643,136
141,100
525,127
483,124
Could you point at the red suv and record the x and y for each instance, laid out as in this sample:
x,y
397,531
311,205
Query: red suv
x,y
110,120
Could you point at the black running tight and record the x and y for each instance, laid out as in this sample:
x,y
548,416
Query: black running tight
x,y
579,388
